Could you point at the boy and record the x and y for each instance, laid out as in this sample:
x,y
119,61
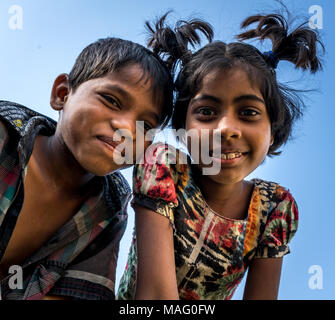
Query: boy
x,y
62,201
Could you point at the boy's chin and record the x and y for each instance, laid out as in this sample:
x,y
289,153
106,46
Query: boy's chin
x,y
104,170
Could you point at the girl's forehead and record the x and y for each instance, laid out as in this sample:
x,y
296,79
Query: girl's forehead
x,y
228,79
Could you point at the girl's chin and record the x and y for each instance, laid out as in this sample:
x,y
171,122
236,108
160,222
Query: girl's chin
x,y
218,175
225,180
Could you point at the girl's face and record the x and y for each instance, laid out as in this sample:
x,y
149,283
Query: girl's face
x,y
228,103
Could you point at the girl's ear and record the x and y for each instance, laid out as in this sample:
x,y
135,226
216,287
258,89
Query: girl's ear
x,y
60,91
271,141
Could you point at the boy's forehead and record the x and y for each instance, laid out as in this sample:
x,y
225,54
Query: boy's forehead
x,y
131,74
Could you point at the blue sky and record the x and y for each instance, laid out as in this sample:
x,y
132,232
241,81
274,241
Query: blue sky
x,y
54,32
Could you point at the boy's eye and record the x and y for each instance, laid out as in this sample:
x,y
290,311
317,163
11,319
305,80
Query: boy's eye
x,y
111,100
147,126
206,112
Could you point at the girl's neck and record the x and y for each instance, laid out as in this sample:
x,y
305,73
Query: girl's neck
x,y
228,200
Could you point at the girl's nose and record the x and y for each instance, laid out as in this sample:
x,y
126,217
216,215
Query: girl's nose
x,y
229,128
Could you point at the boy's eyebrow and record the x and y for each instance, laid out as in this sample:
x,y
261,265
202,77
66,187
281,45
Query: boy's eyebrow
x,y
248,97
113,87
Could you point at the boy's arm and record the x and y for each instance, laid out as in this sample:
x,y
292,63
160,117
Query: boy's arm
x,y
3,135
263,279
91,276
56,298
156,274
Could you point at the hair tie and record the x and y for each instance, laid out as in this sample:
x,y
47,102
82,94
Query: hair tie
x,y
271,59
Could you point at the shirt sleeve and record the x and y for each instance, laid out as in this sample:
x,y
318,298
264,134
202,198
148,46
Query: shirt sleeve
x,y
3,136
281,226
155,180
91,276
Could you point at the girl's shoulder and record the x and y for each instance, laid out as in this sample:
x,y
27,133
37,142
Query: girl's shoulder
x,y
160,170
163,153
164,157
275,213
272,192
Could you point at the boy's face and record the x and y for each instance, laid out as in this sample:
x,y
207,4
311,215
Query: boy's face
x,y
97,110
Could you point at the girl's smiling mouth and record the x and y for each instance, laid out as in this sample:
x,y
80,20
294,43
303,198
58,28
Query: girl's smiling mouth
x,y
231,155
228,157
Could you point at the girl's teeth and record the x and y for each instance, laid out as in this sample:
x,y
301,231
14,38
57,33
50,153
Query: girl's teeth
x,y
231,155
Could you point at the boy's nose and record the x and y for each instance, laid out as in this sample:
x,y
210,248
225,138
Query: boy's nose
x,y
125,125
229,128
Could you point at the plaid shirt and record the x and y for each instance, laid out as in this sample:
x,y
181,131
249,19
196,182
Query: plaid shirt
x,y
80,259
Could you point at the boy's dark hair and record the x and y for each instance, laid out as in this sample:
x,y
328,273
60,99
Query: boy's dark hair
x,y
283,104
111,54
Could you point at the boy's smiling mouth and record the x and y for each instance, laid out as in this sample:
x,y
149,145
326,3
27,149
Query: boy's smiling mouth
x,y
111,144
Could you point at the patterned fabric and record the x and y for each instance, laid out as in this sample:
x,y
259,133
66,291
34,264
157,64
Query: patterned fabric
x,y
212,253
80,259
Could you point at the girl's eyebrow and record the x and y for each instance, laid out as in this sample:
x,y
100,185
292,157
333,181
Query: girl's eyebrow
x,y
248,97
236,100
207,97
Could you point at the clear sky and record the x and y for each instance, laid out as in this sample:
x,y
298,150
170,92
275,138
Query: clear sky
x,y
54,32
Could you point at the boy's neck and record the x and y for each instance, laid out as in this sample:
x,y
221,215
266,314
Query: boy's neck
x,y
52,163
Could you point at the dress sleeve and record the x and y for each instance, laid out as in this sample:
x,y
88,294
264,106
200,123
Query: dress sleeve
x,y
155,179
281,226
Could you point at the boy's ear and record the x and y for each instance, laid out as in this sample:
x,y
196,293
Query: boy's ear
x,y
60,91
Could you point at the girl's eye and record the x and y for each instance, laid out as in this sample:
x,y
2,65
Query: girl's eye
x,y
249,113
111,100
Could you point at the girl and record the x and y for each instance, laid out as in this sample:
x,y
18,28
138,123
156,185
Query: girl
x,y
197,234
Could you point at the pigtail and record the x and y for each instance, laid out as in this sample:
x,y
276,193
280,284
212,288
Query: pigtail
x,y
172,44
298,47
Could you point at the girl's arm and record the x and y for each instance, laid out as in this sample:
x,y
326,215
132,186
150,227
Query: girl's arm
x,y
263,279
156,273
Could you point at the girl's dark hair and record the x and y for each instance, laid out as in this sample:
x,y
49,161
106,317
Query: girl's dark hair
x,y
173,44
112,54
283,104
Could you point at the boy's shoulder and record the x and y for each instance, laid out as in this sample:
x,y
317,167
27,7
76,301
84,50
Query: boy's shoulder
x,y
117,191
16,116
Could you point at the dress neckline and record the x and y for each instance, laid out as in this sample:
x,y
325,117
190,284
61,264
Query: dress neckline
x,y
207,206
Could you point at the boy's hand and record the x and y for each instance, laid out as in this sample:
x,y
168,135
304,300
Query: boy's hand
x,y
56,298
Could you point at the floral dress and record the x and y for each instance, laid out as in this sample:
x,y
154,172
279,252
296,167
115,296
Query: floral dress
x,y
212,252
